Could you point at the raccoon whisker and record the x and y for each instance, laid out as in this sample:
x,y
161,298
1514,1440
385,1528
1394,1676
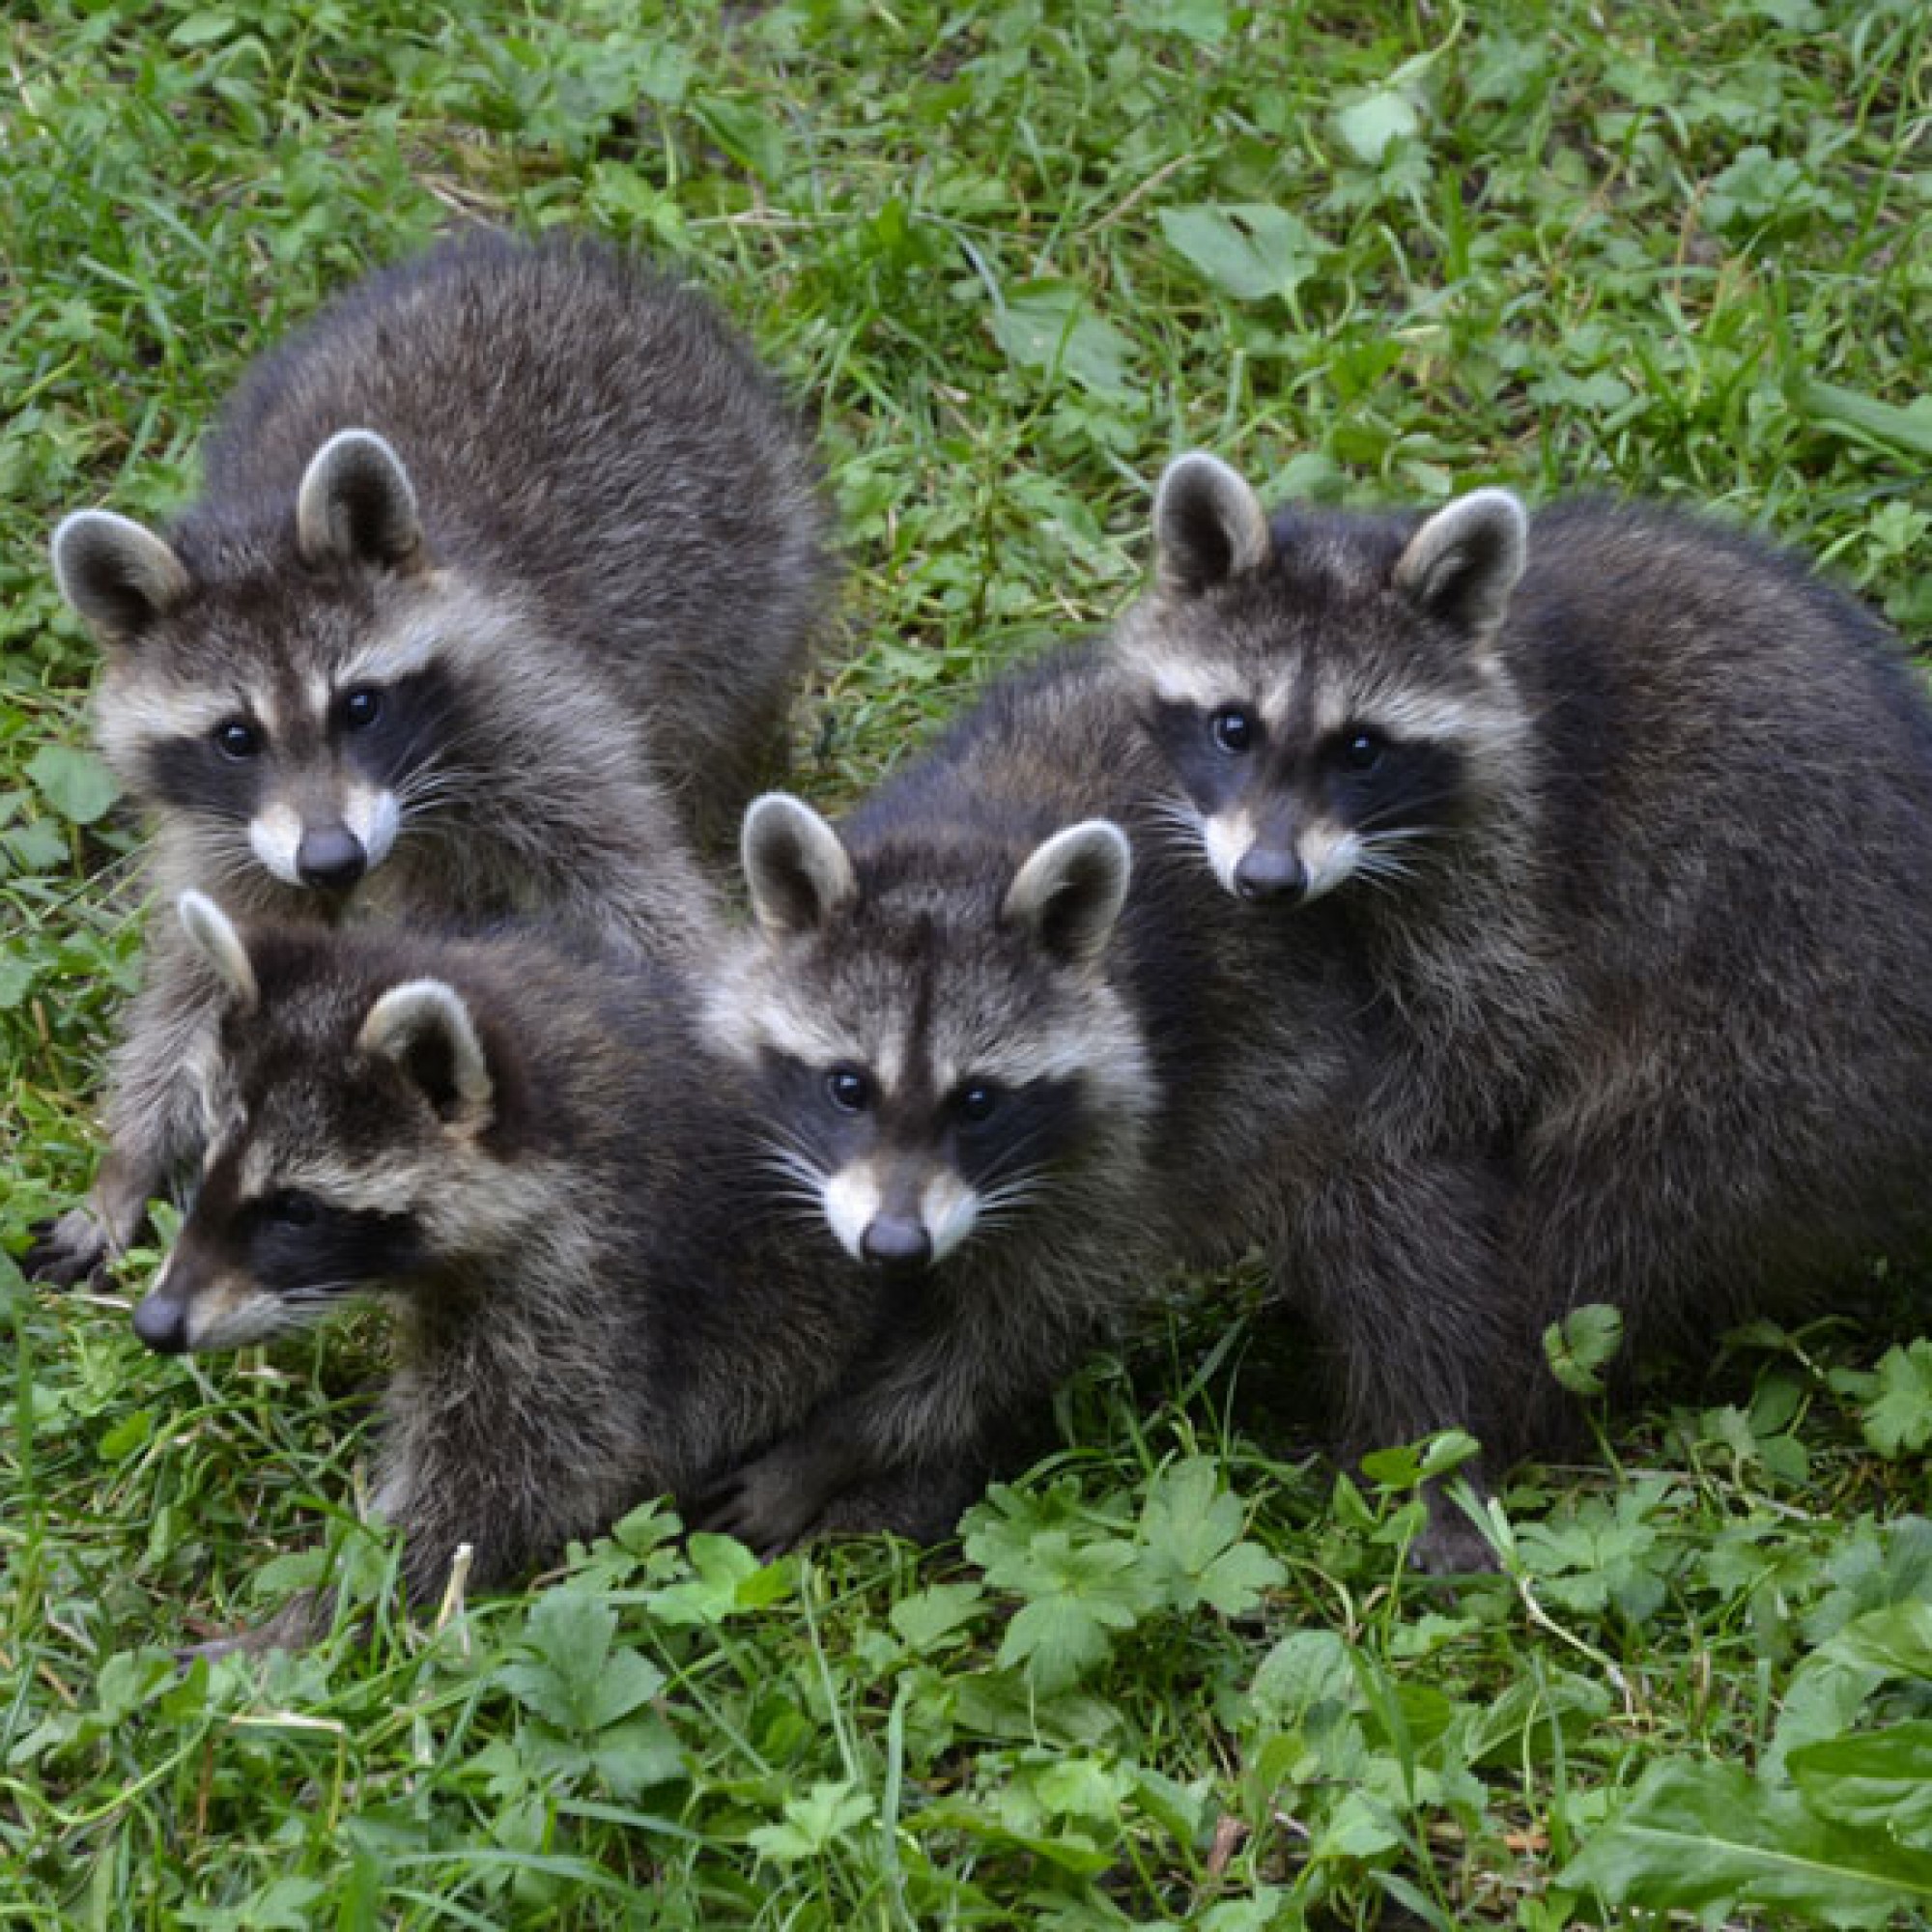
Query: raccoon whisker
x,y
1014,1164
1178,821
1020,1190
795,1183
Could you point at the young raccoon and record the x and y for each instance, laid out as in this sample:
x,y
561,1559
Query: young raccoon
x,y
502,576
1626,823
529,1152
1012,1070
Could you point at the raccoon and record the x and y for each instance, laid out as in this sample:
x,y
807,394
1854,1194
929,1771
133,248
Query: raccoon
x,y
504,574
1018,1053
526,1150
1625,822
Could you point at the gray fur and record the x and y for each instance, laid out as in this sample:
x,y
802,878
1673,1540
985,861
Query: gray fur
x,y
357,507
528,1153
1069,892
796,872
114,573
995,936
1648,984
1464,563
1209,524
551,511
218,943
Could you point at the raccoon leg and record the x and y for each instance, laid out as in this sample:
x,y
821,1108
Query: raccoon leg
x,y
154,1118
1397,1264
304,1619
823,1482
775,1501
922,1502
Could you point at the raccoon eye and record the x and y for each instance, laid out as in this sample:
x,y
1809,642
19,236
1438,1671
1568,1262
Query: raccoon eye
x,y
848,1089
1363,752
361,709
289,1207
238,738
1234,729
977,1102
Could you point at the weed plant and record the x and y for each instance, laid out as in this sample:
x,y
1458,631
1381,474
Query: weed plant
x,y
1018,252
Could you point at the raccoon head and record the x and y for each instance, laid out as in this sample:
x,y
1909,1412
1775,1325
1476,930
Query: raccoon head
x,y
1327,690
347,1123
937,1043
275,685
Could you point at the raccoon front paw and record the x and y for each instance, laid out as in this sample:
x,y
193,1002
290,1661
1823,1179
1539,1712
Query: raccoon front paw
x,y
1450,1544
771,1504
70,1251
762,1504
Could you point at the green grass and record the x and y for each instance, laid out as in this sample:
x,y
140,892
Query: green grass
x,y
1178,1676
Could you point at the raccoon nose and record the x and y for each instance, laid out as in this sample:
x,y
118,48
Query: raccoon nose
x,y
896,1240
330,857
1267,873
161,1322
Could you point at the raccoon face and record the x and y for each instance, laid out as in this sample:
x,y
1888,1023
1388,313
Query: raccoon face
x,y
1326,692
343,1143
290,708
938,1051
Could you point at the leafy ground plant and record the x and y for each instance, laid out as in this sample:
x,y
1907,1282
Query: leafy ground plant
x,y
1018,252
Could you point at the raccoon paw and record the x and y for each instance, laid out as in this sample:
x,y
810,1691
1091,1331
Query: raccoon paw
x,y
1450,1545
70,1251
302,1621
771,1504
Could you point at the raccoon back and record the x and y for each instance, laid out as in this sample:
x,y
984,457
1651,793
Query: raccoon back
x,y
587,437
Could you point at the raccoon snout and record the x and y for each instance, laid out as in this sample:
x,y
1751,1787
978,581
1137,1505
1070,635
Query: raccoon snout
x,y
1268,873
896,1240
161,1322
330,857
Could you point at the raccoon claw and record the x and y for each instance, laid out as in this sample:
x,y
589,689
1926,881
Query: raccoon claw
x,y
757,1505
70,1251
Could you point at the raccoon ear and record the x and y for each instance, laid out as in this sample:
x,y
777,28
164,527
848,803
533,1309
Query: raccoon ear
x,y
217,942
425,1028
798,873
115,573
1465,561
1208,524
357,505
1069,892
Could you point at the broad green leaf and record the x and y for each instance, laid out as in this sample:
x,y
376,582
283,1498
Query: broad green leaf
x,y
823,1815
929,1616
1246,249
575,1680
1885,422
1361,1828
1060,1638
1202,20
1306,1680
33,847
747,134
636,1753
1192,1528
1583,1342
1881,1780
74,781
1372,124
1897,1639
1050,325
1707,1837
16,980
1898,1419
729,1576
